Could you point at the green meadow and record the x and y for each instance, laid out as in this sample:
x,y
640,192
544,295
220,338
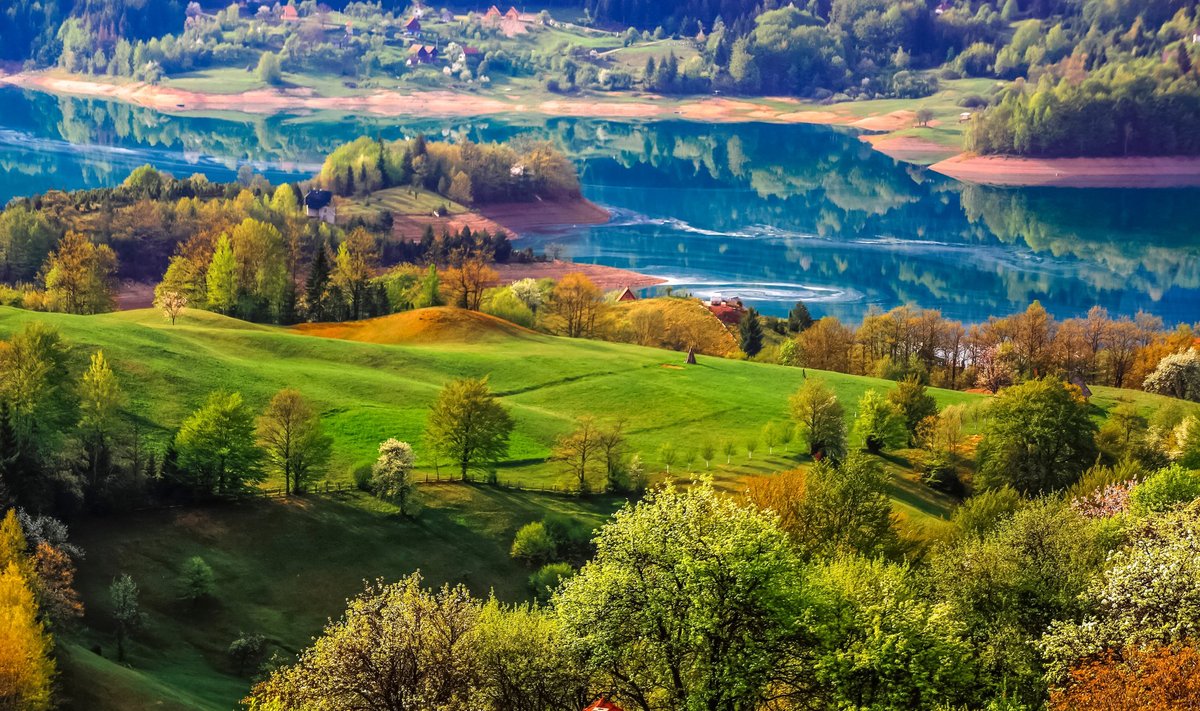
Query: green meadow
x,y
284,566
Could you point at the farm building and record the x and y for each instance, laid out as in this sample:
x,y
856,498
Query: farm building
x,y
319,204
422,54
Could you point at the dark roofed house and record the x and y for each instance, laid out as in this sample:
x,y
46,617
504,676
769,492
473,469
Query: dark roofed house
x,y
319,204
413,26
422,54
471,51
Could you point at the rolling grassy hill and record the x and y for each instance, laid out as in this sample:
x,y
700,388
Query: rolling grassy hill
x,y
368,392
283,567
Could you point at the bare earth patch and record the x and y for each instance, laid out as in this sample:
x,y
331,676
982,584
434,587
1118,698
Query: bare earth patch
x,y
515,218
1131,172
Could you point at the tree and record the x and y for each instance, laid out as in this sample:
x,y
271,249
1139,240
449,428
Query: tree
x,y
1148,593
293,442
613,447
468,425
26,666
391,475
579,450
534,546
882,643
529,292
751,333
924,116
26,239
707,450
54,576
171,303
820,419
269,70
316,288
1177,375
246,652
468,281
916,404
217,448
799,319
100,397
81,276
397,646
352,268
1153,678
196,580
222,278
127,612
830,510
687,601
880,423
576,301
1039,437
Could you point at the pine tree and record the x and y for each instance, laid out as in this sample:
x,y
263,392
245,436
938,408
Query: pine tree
x,y
751,332
799,319
317,287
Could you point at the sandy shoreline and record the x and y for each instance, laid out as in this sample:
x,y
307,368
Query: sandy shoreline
x,y
987,170
1134,172
449,103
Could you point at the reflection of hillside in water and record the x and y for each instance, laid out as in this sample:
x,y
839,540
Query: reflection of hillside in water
x,y
760,205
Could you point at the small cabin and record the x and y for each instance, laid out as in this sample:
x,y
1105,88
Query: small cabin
x,y
512,14
447,16
318,204
422,54
290,14
413,26
627,295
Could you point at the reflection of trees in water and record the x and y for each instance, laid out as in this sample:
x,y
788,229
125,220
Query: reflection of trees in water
x,y
801,180
1142,238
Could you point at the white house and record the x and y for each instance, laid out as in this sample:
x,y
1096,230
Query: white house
x,y
319,204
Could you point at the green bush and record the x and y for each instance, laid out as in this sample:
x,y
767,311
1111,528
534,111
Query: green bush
x,y
533,545
548,577
361,475
1164,489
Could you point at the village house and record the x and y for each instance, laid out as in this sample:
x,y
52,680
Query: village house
x,y
728,310
627,295
318,204
290,14
413,27
422,54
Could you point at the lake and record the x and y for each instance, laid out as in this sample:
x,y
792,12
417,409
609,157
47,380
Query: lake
x,y
770,213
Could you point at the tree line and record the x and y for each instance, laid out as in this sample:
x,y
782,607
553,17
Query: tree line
x,y
1123,352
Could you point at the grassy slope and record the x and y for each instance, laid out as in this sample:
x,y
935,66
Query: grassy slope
x,y
369,392
283,567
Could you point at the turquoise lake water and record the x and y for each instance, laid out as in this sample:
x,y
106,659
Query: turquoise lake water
x,y
769,213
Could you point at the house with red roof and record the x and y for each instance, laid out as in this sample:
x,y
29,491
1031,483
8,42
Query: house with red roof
x,y
290,14
512,14
413,26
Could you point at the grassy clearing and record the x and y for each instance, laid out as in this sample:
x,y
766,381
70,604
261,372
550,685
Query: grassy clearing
x,y
398,201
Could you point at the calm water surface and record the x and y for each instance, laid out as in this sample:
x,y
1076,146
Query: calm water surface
x,y
769,213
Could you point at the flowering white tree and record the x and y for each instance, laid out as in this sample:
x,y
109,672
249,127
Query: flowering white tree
x,y
528,291
391,475
1177,375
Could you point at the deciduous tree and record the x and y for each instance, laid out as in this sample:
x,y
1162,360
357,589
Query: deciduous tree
x,y
292,439
469,425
